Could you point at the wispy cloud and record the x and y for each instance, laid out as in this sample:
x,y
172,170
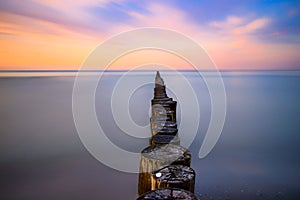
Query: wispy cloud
x,y
73,15
233,40
240,25
229,23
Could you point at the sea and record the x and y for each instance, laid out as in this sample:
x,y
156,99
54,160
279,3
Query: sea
x,y
257,155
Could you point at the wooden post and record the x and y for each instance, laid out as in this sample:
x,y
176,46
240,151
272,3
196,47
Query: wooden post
x,y
163,124
169,194
165,165
158,156
169,104
159,118
165,131
174,176
164,139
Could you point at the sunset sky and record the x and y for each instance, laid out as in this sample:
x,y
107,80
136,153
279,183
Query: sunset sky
x,y
56,34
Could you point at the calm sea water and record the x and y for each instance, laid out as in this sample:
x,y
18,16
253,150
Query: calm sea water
x,y
42,157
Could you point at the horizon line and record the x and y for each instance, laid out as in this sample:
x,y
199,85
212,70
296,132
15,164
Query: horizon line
x,y
146,70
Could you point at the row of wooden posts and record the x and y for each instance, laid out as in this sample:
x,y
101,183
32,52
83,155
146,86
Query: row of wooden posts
x,y
165,171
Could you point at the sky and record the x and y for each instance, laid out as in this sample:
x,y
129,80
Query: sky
x,y
55,34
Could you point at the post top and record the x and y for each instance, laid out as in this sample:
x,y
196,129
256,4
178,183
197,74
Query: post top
x,y
158,79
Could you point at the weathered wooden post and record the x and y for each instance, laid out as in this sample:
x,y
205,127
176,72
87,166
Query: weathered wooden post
x,y
174,176
158,156
161,124
164,139
165,171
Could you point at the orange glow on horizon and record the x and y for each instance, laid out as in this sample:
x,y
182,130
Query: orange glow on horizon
x,y
34,43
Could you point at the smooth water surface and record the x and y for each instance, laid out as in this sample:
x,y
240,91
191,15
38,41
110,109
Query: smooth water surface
x,y
256,157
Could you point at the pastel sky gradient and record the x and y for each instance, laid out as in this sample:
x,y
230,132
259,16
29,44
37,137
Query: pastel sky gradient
x,y
56,34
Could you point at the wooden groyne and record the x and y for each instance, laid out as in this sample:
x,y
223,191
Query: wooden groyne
x,y
165,171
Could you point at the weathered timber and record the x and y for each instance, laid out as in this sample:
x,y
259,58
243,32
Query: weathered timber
x,y
167,105
160,119
160,88
165,113
164,139
174,176
164,165
161,99
168,194
165,131
162,124
158,156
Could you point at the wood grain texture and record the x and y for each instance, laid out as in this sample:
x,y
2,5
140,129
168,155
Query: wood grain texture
x,y
174,176
159,156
